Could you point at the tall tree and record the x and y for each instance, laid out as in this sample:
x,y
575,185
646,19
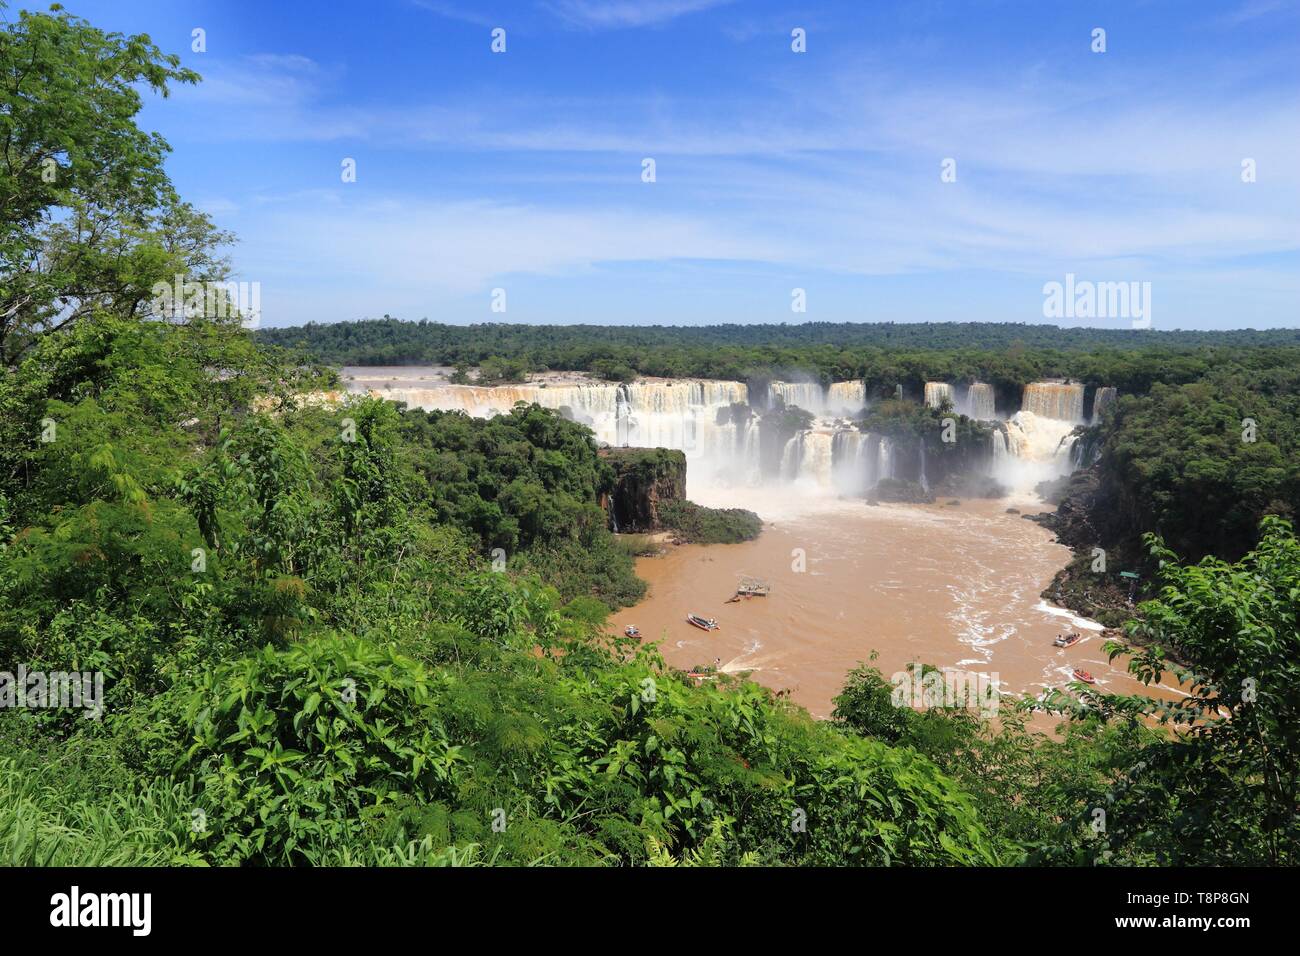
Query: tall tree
x,y
88,217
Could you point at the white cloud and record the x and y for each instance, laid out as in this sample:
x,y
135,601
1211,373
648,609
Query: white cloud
x,y
619,14
460,247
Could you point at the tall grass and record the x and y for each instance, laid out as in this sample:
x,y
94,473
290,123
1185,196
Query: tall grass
x,y
145,824
637,545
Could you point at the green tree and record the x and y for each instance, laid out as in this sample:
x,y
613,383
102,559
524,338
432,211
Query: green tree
x,y
84,199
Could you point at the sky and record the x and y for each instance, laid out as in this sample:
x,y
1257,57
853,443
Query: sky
x,y
926,160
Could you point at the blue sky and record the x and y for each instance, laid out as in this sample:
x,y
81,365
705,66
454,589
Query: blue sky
x,y
775,170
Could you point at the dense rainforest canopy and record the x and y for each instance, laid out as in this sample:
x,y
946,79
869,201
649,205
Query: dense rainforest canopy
x,y
357,634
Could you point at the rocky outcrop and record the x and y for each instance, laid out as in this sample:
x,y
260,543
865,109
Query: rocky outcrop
x,y
644,478
900,490
1088,517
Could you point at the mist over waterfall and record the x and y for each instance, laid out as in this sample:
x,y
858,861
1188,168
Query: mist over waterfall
x,y
1035,444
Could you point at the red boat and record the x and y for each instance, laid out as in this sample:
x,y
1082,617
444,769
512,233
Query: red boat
x,y
1068,640
1083,675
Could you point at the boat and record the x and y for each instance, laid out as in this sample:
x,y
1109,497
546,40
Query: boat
x,y
753,587
703,623
1068,640
1083,675
632,631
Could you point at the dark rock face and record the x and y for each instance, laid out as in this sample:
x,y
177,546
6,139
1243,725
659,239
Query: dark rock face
x,y
951,468
900,490
643,479
971,485
1080,501
1088,516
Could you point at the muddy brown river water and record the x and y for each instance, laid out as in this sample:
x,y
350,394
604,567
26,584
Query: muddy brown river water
x,y
956,587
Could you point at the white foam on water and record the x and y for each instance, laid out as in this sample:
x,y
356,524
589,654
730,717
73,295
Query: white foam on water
x,y
1074,619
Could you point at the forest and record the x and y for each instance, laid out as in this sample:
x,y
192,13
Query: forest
x,y
359,635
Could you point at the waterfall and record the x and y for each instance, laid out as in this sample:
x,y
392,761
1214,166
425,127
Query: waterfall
x,y
937,392
885,462
925,482
1103,398
751,457
790,458
816,457
1033,448
808,457
846,398
846,461
693,415
807,395
622,416
1056,400
979,402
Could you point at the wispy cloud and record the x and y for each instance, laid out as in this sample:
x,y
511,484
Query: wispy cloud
x,y
621,14
284,80
1253,10
456,11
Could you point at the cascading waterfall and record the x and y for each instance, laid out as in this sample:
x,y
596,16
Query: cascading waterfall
x,y
980,403
622,416
809,458
1030,448
816,457
1037,443
807,395
936,393
846,461
885,460
1105,396
1057,400
790,458
846,398
695,416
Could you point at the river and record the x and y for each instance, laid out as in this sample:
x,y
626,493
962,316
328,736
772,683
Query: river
x,y
952,586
